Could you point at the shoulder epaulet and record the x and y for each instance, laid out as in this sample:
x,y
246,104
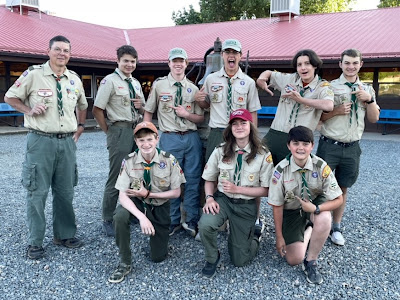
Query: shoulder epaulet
x,y
33,67
160,78
220,145
73,72
130,155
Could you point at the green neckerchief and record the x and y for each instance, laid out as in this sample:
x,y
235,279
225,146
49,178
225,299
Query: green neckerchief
x,y
59,95
178,99
296,106
229,97
354,101
238,168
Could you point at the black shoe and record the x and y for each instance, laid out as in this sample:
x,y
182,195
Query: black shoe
x,y
35,252
69,243
311,270
210,269
108,228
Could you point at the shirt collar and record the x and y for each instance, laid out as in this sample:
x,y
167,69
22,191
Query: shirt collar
x,y
48,71
312,85
140,159
343,79
247,148
239,74
294,167
171,80
122,75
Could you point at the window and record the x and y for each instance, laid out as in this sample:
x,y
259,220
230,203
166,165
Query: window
x,y
389,82
87,85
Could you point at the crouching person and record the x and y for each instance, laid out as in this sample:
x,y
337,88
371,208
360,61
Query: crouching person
x,y
241,170
303,192
148,178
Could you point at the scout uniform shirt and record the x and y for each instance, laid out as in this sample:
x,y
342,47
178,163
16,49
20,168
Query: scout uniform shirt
x,y
244,95
37,85
257,173
165,174
339,127
162,98
291,113
286,182
113,96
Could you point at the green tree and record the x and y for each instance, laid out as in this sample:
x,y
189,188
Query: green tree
x,y
187,17
229,10
389,3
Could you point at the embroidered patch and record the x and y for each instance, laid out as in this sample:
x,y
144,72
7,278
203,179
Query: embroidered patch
x,y
188,107
274,180
242,82
277,175
189,90
103,81
314,174
45,92
163,164
251,177
17,83
240,99
25,73
326,171
72,82
334,185
269,159
325,84
330,93
165,97
216,88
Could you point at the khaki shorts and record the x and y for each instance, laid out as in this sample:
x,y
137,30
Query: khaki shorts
x,y
294,222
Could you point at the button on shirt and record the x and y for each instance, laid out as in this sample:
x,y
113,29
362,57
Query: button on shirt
x,y
37,85
162,99
255,174
339,127
244,95
166,174
306,116
113,96
286,182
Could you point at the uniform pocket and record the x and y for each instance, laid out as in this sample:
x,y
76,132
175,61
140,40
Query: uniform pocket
x,y
240,98
29,176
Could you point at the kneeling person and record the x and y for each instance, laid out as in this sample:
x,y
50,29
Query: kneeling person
x,y
303,191
241,170
148,178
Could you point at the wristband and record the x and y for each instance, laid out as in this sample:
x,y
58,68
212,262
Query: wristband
x,y
370,101
209,196
82,125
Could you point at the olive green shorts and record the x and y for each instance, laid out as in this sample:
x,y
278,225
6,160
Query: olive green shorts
x,y
294,222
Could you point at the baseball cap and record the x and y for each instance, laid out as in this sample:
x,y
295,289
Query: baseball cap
x,y
147,125
177,53
232,44
241,113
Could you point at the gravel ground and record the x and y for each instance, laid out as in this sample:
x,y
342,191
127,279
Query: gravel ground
x,y
367,267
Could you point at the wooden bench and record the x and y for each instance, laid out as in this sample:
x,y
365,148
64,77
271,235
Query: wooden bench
x,y
7,110
389,116
266,112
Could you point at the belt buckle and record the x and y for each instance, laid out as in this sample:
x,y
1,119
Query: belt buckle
x,y
59,135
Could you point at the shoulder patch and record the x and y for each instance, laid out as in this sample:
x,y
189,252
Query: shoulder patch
x,y
326,83
269,159
326,171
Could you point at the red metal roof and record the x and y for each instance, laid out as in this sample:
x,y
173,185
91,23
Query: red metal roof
x,y
371,31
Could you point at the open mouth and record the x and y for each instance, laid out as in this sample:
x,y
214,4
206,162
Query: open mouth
x,y
231,63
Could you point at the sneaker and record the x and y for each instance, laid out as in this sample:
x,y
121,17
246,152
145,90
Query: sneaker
x,y
259,228
191,228
174,228
108,228
35,252
119,274
69,243
210,269
311,270
337,238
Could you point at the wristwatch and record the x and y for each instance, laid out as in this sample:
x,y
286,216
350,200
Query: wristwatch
x,y
370,101
317,210
209,196
82,125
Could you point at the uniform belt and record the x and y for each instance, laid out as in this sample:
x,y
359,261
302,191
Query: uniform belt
x,y
179,132
52,135
235,200
217,128
124,124
341,144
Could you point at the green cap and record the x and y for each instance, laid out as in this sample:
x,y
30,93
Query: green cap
x,y
177,53
232,44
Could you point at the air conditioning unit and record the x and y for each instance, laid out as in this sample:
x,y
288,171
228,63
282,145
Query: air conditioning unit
x,y
27,3
285,7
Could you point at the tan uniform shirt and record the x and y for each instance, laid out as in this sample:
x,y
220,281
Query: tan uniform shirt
x,y
285,118
162,98
339,127
286,182
37,85
113,96
257,173
244,95
165,174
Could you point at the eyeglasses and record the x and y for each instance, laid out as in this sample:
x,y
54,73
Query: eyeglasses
x,y
234,52
59,50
